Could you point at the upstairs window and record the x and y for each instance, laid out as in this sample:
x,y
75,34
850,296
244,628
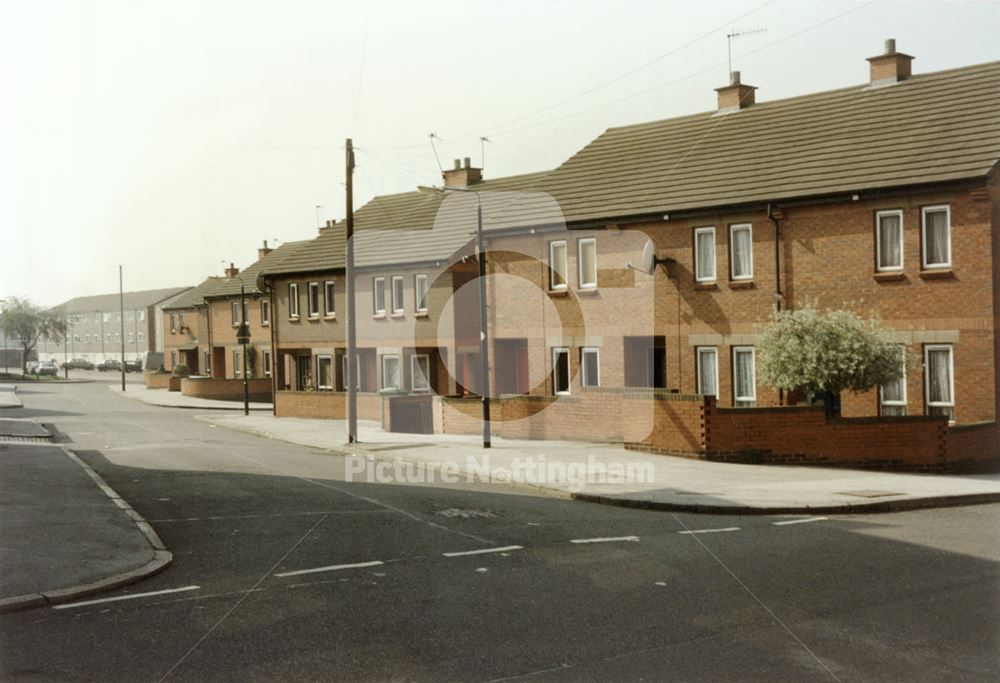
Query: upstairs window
x,y
293,300
704,254
936,234
892,396
741,251
313,299
587,262
397,294
235,310
557,265
329,302
420,293
173,323
265,311
378,295
939,380
889,240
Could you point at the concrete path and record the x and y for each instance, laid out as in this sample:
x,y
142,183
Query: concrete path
x,y
174,399
607,473
64,533
8,396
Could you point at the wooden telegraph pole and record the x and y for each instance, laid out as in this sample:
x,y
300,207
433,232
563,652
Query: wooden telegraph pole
x,y
352,328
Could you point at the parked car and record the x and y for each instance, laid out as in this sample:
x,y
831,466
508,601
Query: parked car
x,y
133,366
109,364
29,367
48,367
78,364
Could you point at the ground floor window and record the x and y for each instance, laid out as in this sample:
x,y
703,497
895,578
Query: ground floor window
x,y
303,373
173,359
420,372
939,380
390,372
560,371
590,364
324,372
744,376
341,382
708,370
237,365
892,396
267,363
208,362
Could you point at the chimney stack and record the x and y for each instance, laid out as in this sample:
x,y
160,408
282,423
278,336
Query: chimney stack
x,y
889,67
462,175
232,271
735,96
263,251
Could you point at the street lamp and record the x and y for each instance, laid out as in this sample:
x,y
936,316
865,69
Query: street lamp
x,y
484,382
243,338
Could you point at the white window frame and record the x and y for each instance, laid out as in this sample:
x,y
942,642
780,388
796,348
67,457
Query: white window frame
x,y
378,292
265,312
312,299
293,300
237,363
393,356
234,309
878,241
585,378
415,368
173,323
951,377
142,316
398,302
902,401
923,235
330,299
142,337
552,269
417,280
753,375
556,351
580,244
699,276
708,350
266,360
732,251
333,379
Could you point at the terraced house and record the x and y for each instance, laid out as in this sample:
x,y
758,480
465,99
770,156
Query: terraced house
x,y
186,330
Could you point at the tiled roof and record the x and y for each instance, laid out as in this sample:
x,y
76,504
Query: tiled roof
x,y
194,296
929,128
110,302
247,278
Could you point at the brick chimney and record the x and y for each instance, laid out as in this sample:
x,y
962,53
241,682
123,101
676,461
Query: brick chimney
x,y
736,95
263,251
232,271
462,175
889,67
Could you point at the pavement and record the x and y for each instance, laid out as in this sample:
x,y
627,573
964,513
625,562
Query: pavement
x,y
64,533
8,396
175,399
610,474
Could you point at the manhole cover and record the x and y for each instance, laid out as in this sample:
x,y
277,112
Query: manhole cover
x,y
467,514
869,494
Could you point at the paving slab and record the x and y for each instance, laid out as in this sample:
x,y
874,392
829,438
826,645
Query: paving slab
x,y
610,474
175,399
9,399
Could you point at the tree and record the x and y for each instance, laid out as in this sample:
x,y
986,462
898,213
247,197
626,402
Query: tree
x,y
829,352
26,323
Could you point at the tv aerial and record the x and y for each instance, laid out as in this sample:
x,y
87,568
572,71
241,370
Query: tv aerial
x,y
736,35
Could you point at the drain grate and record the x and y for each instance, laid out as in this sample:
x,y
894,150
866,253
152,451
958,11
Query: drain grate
x,y
24,439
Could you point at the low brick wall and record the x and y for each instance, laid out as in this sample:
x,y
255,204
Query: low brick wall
x,y
659,422
259,389
156,380
973,448
325,405
174,383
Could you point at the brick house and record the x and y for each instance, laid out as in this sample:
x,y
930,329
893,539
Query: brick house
x,y
186,330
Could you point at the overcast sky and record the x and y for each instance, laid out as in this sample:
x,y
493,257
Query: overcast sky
x,y
172,136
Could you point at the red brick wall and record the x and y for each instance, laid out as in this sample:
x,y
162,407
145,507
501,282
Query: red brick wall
x,y
226,389
156,380
973,447
678,423
327,405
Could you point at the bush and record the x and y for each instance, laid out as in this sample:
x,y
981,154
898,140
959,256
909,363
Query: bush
x,y
181,370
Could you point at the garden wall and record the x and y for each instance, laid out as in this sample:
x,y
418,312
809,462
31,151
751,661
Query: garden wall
x,y
227,389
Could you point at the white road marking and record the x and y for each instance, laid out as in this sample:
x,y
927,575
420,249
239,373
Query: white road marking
x,y
709,531
332,568
612,539
483,551
133,596
800,521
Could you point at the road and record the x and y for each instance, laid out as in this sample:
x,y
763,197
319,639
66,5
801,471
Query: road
x,y
909,596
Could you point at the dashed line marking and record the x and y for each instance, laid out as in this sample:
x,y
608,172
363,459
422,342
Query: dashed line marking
x,y
483,551
709,531
610,539
133,596
332,568
800,521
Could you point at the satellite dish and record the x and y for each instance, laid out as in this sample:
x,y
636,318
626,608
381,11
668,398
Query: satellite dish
x,y
649,259
261,283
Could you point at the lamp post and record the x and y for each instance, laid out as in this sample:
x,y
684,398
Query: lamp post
x,y
484,380
243,338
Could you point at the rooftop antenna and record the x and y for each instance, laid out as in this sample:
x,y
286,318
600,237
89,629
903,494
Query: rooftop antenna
x,y
733,35
433,137
482,149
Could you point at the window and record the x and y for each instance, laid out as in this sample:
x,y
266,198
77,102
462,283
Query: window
x,y
420,293
208,362
939,380
313,299
936,236
235,310
560,371
131,338
237,364
744,376
142,316
587,262
741,251
390,372
87,339
557,265
108,337
293,300
142,337
118,337
708,370
889,240
107,317
329,302
173,324
130,316
397,294
265,311
357,370
420,372
892,396
704,254
590,364
173,357
324,372
378,295
76,339
266,357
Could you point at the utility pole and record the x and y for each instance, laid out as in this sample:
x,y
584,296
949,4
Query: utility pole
x,y
121,317
243,338
352,327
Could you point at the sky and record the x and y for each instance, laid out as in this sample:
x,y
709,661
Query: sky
x,y
172,137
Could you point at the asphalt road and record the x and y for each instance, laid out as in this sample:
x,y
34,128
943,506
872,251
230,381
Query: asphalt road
x,y
908,596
